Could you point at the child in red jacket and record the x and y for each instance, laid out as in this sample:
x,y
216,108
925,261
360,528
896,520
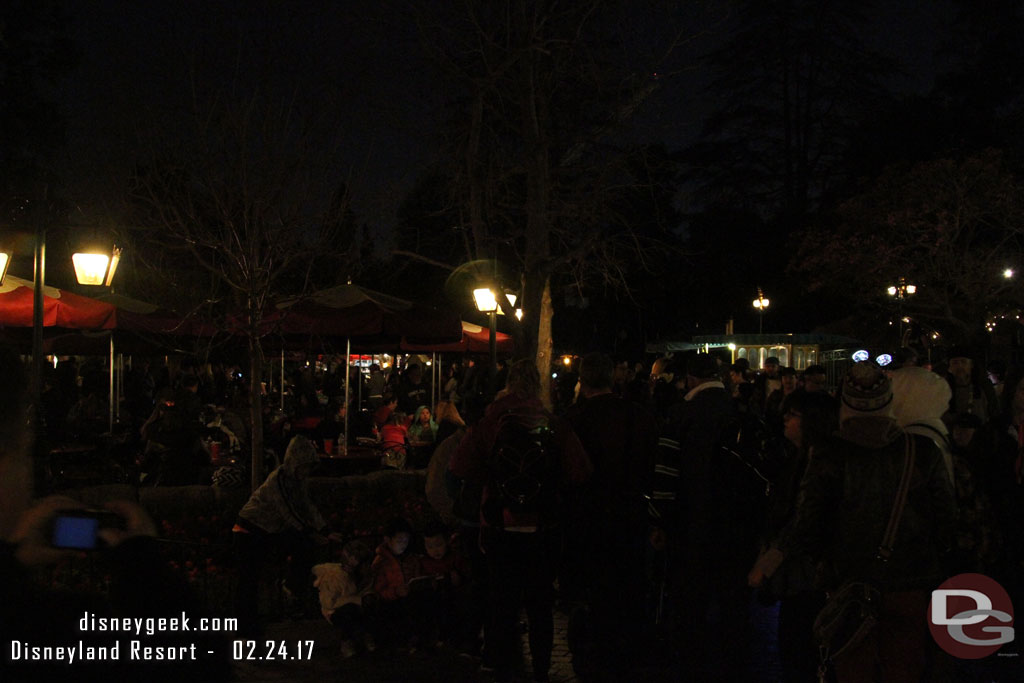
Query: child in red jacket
x,y
447,605
396,615
393,438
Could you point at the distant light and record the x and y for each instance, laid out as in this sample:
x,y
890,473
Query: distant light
x,y
519,314
554,375
911,289
906,320
860,356
884,359
892,290
732,347
566,360
1008,273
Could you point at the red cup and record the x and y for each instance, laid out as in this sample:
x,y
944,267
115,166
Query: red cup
x,y
329,446
214,450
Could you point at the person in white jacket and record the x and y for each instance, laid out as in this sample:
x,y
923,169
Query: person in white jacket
x,y
919,399
342,588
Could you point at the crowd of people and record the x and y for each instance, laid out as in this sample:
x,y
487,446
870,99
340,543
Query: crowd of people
x,y
656,533
663,506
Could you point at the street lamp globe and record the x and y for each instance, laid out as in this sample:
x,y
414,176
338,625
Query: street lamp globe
x,y
486,302
96,268
761,304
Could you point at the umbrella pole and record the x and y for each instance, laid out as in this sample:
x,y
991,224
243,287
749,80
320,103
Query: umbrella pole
x,y
119,385
111,399
348,354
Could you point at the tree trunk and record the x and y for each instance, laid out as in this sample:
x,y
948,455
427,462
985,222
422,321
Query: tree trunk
x,y
256,409
545,344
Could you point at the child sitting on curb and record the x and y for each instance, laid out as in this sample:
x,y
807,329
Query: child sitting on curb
x,y
449,573
397,611
342,588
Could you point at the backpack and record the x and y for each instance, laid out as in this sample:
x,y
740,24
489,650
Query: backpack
x,y
524,470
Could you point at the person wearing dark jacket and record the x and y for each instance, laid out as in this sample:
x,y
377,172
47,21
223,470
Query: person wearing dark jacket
x,y
810,419
610,520
521,550
846,499
712,535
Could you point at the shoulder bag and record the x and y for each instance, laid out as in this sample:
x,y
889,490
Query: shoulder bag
x,y
851,612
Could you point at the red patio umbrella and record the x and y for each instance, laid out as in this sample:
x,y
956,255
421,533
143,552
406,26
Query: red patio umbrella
x,y
61,308
364,316
475,339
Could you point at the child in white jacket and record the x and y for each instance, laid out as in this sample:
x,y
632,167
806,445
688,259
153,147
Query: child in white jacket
x,y
341,597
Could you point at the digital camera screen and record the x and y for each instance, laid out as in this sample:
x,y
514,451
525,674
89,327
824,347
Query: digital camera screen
x,y
75,532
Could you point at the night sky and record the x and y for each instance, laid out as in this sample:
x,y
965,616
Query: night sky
x,y
366,62
360,69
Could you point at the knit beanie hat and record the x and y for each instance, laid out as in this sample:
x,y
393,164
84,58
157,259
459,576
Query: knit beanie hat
x,y
866,388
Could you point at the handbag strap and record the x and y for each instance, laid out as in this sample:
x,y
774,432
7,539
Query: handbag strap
x,y
885,549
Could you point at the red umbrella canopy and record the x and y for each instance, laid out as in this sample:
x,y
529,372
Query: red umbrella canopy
x,y
354,311
474,338
61,308
142,317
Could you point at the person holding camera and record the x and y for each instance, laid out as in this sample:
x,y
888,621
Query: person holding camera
x,y
35,618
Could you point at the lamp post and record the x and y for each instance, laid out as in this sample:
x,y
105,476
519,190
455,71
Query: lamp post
x,y
900,291
487,302
761,305
92,267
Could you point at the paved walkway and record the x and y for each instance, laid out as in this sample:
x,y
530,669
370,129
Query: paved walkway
x,y
445,666
326,664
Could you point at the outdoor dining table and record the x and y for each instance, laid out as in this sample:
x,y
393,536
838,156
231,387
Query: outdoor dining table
x,y
356,460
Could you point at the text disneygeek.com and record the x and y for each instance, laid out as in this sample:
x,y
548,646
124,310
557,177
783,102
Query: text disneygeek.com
x,y
89,649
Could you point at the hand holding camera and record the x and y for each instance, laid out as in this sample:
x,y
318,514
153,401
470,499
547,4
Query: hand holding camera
x,y
57,526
